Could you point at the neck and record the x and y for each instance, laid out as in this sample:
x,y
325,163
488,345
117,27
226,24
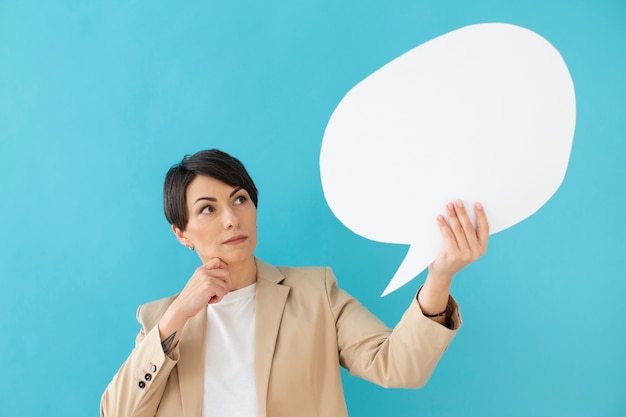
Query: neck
x,y
242,274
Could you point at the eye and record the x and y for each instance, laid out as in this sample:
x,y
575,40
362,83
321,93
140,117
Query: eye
x,y
240,199
207,209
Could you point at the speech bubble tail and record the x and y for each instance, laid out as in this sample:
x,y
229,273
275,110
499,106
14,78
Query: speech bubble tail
x,y
416,260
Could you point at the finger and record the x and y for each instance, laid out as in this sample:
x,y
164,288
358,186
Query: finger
x,y
215,290
211,270
218,295
204,279
450,252
446,233
482,226
219,282
466,223
218,268
456,227
215,263
226,280
221,274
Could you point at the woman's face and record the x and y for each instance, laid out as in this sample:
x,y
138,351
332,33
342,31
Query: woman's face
x,y
222,221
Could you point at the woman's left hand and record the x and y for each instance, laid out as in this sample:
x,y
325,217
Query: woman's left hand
x,y
463,244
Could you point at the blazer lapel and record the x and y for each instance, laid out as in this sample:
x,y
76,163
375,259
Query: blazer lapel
x,y
191,365
271,298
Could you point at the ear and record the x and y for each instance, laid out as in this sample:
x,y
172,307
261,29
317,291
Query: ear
x,y
182,238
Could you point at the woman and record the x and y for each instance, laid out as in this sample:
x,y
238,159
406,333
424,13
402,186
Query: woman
x,y
245,338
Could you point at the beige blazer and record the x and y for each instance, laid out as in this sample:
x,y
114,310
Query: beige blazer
x,y
305,328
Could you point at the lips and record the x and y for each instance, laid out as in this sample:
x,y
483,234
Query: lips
x,y
235,240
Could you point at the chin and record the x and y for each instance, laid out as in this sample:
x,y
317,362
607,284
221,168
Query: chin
x,y
234,258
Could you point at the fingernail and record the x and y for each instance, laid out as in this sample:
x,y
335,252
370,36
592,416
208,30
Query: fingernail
x,y
450,206
479,206
459,203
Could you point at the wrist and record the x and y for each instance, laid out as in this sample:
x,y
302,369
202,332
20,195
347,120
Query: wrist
x,y
439,280
434,295
442,313
172,320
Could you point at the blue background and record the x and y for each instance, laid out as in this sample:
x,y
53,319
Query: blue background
x,y
98,99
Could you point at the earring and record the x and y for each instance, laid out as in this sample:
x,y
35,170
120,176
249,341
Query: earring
x,y
190,247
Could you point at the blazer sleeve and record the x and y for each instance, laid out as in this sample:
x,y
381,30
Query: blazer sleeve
x,y
137,387
404,357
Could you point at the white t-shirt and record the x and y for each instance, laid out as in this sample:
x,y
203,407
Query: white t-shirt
x,y
229,384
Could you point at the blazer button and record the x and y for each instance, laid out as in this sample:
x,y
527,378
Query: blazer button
x,y
153,368
142,384
148,377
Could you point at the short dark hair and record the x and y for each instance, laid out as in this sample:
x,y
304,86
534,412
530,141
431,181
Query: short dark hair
x,y
213,163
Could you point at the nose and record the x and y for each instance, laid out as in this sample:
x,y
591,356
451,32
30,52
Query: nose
x,y
230,219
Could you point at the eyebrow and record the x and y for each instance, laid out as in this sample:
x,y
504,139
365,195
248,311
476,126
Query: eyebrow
x,y
215,199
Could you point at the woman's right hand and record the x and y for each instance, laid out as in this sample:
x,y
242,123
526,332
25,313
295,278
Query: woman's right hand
x,y
208,285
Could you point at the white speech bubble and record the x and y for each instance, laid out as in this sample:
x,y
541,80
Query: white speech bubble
x,y
484,113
